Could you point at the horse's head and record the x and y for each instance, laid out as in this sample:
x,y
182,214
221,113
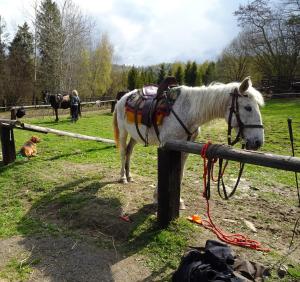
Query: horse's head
x,y
244,116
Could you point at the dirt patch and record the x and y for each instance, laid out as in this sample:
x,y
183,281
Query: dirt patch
x,y
66,259
91,209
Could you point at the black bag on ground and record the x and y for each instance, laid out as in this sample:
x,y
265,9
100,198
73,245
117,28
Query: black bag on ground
x,y
214,263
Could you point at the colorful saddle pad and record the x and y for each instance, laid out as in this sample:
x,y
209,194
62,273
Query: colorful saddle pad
x,y
144,102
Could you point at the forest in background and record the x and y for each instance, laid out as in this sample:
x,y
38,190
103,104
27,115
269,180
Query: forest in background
x,y
59,51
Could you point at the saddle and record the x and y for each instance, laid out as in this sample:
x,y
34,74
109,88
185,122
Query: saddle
x,y
149,105
63,101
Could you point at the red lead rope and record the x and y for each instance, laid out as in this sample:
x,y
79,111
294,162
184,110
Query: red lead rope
x,y
234,239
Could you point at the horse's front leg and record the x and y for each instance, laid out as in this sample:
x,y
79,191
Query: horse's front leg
x,y
183,161
129,150
56,114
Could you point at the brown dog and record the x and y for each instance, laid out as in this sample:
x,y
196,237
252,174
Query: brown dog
x,y
29,148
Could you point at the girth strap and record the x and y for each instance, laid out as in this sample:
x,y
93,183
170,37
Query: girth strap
x,y
136,121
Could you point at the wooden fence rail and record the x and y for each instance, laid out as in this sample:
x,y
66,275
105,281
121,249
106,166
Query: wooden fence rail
x,y
46,106
169,168
8,142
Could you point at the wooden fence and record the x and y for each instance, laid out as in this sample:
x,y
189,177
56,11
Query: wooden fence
x,y
169,168
13,109
8,142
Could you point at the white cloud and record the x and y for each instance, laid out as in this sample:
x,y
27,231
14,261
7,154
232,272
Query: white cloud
x,y
154,31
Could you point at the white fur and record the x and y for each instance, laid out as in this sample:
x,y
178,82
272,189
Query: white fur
x,y
195,106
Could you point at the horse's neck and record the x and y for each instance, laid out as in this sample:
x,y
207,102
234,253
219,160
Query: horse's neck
x,y
208,103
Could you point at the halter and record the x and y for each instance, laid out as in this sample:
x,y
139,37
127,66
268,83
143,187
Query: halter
x,y
234,109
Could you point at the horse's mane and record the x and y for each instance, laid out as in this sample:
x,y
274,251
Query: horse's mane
x,y
216,97
252,92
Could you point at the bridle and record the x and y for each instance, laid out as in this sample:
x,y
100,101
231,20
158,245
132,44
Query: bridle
x,y
234,109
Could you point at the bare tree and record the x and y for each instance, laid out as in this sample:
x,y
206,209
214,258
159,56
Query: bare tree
x,y
3,78
273,38
233,64
75,37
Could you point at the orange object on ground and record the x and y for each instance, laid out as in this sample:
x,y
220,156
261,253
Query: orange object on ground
x,y
195,218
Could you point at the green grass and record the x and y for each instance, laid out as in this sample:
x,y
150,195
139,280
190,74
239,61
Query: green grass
x,y
18,270
67,174
162,247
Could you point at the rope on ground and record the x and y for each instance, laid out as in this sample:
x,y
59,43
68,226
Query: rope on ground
x,y
233,239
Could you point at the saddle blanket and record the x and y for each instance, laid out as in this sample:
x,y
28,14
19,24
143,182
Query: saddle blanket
x,y
160,108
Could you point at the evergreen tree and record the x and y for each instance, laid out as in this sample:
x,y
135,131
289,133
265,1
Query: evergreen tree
x,y
161,73
199,80
179,75
143,79
151,77
20,65
193,74
50,45
187,72
210,73
132,78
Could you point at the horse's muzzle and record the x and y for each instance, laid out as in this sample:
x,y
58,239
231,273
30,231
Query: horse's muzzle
x,y
253,144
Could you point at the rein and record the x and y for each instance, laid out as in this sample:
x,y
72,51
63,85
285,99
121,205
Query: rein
x,y
234,109
234,239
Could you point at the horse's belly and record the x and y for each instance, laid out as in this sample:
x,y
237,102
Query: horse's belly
x,y
65,105
148,134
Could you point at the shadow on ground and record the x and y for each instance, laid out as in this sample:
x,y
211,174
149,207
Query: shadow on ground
x,y
81,236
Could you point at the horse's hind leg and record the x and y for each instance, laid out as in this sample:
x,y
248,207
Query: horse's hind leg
x,y
129,150
123,137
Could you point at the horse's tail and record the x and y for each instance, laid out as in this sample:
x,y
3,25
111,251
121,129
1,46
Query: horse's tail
x,y
116,128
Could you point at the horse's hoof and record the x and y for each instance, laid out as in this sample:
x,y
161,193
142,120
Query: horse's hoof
x,y
182,206
123,180
130,179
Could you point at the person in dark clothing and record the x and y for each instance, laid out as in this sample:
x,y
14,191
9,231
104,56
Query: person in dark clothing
x,y
74,105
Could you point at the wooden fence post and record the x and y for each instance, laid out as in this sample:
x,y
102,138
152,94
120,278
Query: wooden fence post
x,y
8,144
13,115
169,169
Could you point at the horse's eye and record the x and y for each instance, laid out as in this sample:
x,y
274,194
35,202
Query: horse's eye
x,y
248,108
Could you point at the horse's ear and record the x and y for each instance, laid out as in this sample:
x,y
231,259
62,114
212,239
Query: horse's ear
x,y
246,83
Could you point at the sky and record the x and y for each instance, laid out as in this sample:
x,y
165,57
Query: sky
x,y
147,32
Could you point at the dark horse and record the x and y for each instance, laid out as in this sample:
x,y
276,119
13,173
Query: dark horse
x,y
59,101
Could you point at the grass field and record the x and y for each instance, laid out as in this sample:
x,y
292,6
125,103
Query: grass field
x,y
70,189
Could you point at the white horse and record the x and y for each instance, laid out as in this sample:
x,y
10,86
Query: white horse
x,y
195,106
